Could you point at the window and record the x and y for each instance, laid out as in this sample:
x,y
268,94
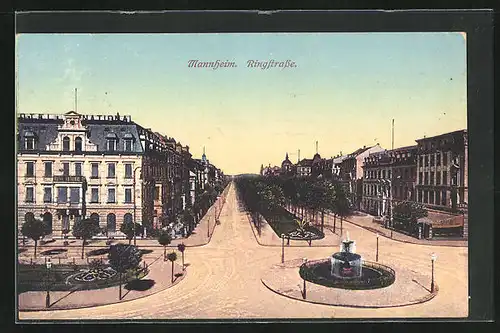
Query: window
x,y
438,198
30,143
30,194
421,159
383,174
432,160
30,169
426,160
62,194
94,195
128,170
389,174
47,194
431,197
111,170
157,193
78,169
78,144
438,159
65,169
111,144
445,159
426,196
65,143
111,195
420,178
445,177
48,169
128,195
74,195
95,170
438,178
432,178
443,198
128,144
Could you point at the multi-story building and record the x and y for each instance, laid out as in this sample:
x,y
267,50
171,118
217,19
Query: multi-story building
x,y
442,172
351,172
73,166
384,171
336,164
107,168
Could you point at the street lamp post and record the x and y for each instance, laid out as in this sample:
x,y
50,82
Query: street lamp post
x,y
433,259
376,256
304,294
282,248
47,297
135,207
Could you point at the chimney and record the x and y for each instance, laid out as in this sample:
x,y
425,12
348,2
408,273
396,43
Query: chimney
x,y
364,147
298,156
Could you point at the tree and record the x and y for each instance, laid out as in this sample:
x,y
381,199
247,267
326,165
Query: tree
x,y
34,229
181,247
407,213
85,229
342,206
165,239
172,256
128,229
123,258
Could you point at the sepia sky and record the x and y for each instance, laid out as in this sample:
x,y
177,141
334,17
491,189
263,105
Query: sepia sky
x,y
344,92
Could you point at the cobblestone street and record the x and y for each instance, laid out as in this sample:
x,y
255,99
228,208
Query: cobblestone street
x,y
223,279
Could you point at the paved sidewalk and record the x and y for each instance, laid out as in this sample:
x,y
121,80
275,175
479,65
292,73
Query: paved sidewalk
x,y
366,221
160,274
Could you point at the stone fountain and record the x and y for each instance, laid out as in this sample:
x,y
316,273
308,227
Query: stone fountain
x,y
346,264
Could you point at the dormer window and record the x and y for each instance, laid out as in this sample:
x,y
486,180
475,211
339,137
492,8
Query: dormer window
x,y
111,140
78,144
128,140
65,143
29,140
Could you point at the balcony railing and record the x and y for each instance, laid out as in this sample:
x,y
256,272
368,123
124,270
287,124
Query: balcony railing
x,y
69,179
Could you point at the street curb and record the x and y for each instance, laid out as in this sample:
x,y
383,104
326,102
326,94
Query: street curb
x,y
399,240
97,305
418,301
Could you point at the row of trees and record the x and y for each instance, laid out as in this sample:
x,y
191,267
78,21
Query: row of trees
x,y
304,197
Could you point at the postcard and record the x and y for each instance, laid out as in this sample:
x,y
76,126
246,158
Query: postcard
x,y
244,175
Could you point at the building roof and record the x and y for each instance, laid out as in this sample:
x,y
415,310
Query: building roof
x,y
46,128
459,132
339,159
305,163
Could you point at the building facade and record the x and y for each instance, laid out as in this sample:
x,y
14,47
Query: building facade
x,y
103,167
73,166
442,171
391,170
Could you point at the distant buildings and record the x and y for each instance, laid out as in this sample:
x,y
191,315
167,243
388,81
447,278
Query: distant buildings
x,y
107,168
432,172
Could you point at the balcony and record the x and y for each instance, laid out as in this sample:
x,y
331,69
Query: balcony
x,y
69,179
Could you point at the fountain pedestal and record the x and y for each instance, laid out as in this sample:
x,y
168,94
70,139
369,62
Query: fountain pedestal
x,y
346,264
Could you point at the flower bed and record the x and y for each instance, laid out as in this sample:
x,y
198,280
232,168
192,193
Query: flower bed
x,y
69,277
373,276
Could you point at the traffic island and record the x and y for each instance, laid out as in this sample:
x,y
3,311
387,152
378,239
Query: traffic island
x,y
408,288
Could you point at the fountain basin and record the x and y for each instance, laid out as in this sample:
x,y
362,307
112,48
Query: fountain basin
x,y
372,275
